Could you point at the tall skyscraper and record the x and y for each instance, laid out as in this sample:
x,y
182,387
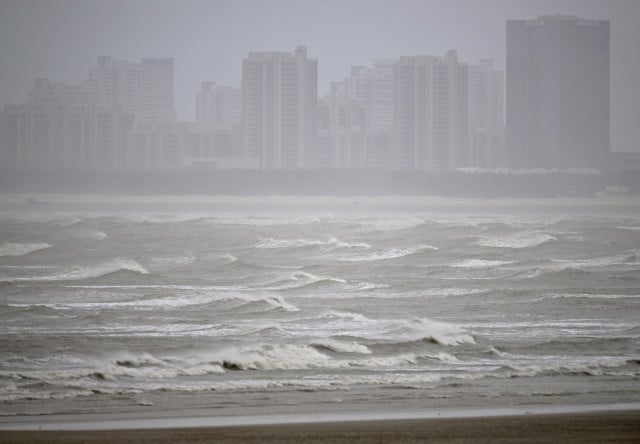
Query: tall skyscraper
x,y
486,115
372,89
64,126
157,91
279,107
430,112
557,92
143,89
218,105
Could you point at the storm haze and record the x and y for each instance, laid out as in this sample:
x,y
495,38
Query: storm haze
x,y
420,214
456,98
59,40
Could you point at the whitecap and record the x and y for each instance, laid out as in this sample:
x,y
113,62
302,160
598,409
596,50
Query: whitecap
x,y
296,243
519,240
479,263
91,235
391,253
13,249
228,258
175,261
344,315
79,272
443,333
270,357
297,279
342,346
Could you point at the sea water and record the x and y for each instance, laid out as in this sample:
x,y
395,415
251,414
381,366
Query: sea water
x,y
282,308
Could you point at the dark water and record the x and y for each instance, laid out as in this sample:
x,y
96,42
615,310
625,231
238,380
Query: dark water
x,y
263,308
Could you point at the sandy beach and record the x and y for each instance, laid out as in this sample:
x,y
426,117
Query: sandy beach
x,y
613,427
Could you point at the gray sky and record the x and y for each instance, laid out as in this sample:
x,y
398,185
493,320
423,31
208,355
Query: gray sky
x,y
60,39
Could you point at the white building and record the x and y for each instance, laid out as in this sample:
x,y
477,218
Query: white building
x,y
177,145
430,130
218,105
279,108
344,141
64,126
143,89
372,88
486,116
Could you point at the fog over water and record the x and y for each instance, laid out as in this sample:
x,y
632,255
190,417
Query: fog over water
x,y
60,39
376,206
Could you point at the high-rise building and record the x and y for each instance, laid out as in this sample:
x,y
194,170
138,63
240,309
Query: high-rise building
x,y
340,133
157,104
486,115
64,126
557,92
143,89
218,105
279,107
430,130
372,88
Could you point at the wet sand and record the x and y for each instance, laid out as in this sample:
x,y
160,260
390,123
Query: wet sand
x,y
606,427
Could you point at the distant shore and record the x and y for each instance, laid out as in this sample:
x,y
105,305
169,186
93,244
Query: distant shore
x,y
201,203
591,427
482,184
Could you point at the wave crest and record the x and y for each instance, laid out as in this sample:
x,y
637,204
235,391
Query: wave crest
x,y
13,249
391,253
518,240
297,243
86,272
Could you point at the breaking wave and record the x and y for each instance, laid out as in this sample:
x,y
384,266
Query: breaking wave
x,y
272,301
478,263
298,279
11,249
521,240
91,235
391,253
438,332
342,346
297,243
86,272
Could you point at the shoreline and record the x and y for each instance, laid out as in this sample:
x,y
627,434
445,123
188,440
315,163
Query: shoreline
x,y
594,427
30,201
173,420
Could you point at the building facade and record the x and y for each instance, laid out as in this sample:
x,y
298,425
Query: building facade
x,y
144,89
64,126
557,92
218,105
372,88
486,116
279,108
430,130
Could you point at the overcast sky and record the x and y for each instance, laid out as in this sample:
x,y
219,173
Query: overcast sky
x,y
60,39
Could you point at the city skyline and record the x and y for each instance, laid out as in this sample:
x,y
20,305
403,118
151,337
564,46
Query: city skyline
x,y
209,39
122,117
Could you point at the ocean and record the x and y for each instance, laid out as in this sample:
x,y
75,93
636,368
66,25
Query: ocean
x,y
264,305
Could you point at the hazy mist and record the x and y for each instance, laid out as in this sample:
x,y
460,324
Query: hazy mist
x,y
60,39
415,218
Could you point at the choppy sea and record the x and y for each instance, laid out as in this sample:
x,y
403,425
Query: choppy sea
x,y
127,309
